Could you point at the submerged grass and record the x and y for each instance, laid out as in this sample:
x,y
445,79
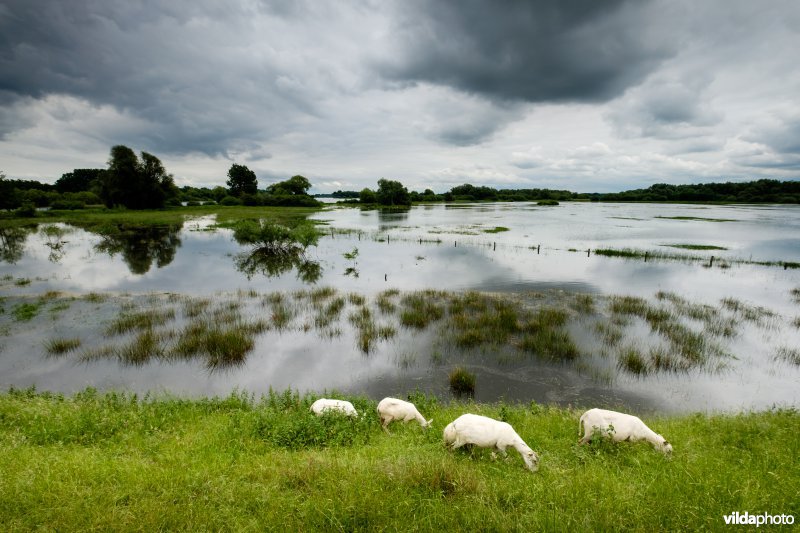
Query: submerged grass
x,y
790,355
120,462
25,311
139,320
61,346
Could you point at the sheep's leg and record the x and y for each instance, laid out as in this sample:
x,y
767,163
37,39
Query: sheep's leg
x,y
385,423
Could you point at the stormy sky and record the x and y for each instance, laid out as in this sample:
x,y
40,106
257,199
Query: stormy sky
x,y
583,95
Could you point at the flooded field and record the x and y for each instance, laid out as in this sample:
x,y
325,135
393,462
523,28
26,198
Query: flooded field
x,y
662,307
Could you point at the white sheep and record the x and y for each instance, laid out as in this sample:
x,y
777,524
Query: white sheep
x,y
326,405
488,433
390,409
620,427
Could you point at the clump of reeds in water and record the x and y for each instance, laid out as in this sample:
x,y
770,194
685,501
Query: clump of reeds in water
x,y
544,335
146,319
420,309
790,355
462,381
61,346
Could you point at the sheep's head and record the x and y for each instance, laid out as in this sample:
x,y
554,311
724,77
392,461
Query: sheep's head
x,y
665,447
531,460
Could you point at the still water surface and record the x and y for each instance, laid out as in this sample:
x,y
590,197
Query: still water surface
x,y
544,249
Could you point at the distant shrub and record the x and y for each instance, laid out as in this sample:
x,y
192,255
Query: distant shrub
x,y
25,211
230,200
70,205
547,202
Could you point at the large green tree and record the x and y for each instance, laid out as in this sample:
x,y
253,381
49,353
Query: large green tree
x,y
292,186
133,183
80,179
392,192
241,180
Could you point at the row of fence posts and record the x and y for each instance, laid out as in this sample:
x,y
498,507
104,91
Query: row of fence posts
x,y
538,249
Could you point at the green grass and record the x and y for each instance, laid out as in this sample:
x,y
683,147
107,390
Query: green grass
x,y
106,220
496,229
121,463
25,311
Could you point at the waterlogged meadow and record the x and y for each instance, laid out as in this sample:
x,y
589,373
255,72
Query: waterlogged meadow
x,y
658,307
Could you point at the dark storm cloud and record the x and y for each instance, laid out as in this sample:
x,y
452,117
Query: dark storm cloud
x,y
534,51
186,67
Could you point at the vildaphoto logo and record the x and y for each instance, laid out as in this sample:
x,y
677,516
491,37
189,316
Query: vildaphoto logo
x,y
747,519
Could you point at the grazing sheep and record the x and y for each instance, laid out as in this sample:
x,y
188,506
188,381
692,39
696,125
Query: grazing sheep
x,y
488,433
325,405
391,409
619,427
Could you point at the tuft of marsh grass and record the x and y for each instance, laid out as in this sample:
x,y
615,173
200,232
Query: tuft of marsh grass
x,y
282,314
366,329
583,304
750,313
25,311
462,381
95,297
385,303
194,307
477,319
610,333
550,344
221,345
21,282
790,355
496,229
356,299
631,360
329,313
420,309
321,294
795,294
143,348
139,321
61,346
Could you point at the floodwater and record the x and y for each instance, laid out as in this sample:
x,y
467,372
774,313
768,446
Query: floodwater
x,y
514,249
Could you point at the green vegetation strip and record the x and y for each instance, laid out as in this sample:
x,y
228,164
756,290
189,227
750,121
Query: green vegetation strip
x,y
118,462
726,262
695,246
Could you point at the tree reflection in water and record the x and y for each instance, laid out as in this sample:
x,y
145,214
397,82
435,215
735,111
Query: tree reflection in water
x,y
141,246
12,242
54,240
276,250
271,264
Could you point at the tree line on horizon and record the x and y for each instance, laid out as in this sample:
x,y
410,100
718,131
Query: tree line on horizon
x,y
142,182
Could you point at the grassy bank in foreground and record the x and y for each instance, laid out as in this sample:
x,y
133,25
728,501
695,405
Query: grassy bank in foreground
x,y
111,461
